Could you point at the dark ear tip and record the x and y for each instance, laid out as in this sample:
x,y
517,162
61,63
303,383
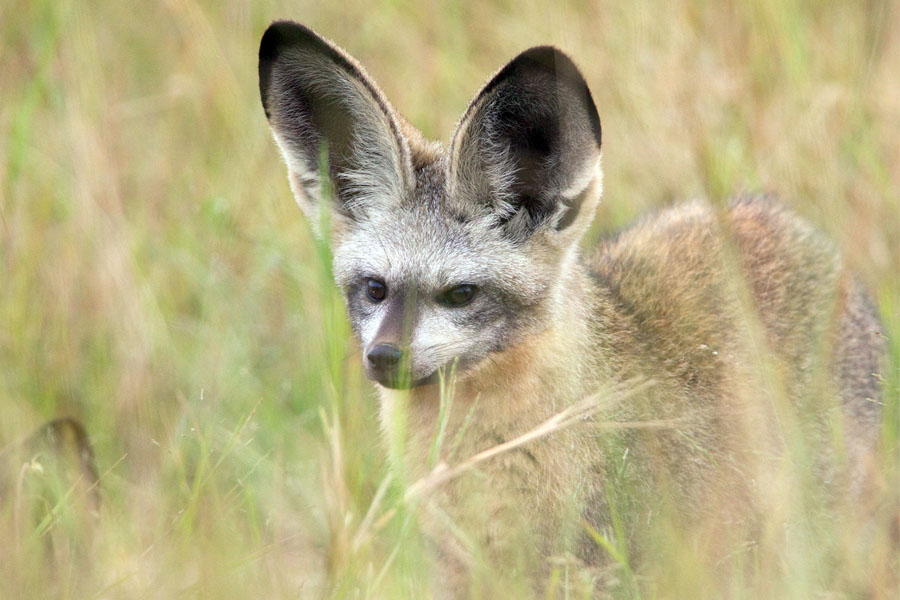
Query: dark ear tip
x,y
282,33
277,36
554,60
548,56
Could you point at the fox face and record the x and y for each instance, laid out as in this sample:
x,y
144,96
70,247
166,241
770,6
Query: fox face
x,y
424,291
445,254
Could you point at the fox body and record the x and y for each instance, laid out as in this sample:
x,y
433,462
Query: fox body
x,y
464,259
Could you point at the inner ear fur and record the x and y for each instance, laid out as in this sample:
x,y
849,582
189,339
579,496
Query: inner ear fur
x,y
527,150
324,109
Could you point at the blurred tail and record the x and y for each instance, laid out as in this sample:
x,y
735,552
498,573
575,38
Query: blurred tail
x,y
49,480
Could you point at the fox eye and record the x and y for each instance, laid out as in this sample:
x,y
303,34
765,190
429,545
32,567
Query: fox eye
x,y
375,290
458,296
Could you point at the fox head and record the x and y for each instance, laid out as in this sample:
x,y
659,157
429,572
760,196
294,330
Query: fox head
x,y
445,254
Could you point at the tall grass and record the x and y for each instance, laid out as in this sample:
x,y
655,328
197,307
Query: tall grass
x,y
158,282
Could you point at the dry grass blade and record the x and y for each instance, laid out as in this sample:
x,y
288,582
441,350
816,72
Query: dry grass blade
x,y
575,414
363,531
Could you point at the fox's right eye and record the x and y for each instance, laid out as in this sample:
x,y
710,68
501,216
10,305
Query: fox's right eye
x,y
375,290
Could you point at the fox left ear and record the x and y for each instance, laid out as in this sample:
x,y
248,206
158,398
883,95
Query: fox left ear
x,y
528,148
321,104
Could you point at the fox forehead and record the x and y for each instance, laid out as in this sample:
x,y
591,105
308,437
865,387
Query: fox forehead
x,y
419,240
423,247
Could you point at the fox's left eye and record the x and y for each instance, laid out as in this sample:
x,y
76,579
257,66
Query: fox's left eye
x,y
458,296
375,290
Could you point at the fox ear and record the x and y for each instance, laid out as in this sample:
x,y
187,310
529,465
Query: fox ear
x,y
528,147
322,105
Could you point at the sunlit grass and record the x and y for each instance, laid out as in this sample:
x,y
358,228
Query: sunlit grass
x,y
158,282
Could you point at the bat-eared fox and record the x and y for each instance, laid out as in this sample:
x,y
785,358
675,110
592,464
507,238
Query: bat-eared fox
x,y
479,316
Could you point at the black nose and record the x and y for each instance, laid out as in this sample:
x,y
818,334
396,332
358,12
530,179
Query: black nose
x,y
384,358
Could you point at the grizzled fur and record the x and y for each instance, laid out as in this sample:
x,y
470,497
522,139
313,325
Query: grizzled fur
x,y
725,312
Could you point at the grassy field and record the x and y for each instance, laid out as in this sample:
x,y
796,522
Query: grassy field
x,y
158,282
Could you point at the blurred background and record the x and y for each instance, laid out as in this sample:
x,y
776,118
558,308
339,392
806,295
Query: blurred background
x,y
158,283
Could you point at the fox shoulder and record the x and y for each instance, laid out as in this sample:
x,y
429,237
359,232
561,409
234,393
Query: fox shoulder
x,y
685,274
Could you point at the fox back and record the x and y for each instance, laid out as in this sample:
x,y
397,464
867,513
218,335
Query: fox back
x,y
480,319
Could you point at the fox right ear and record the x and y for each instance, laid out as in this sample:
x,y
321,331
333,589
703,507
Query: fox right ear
x,y
528,148
321,105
